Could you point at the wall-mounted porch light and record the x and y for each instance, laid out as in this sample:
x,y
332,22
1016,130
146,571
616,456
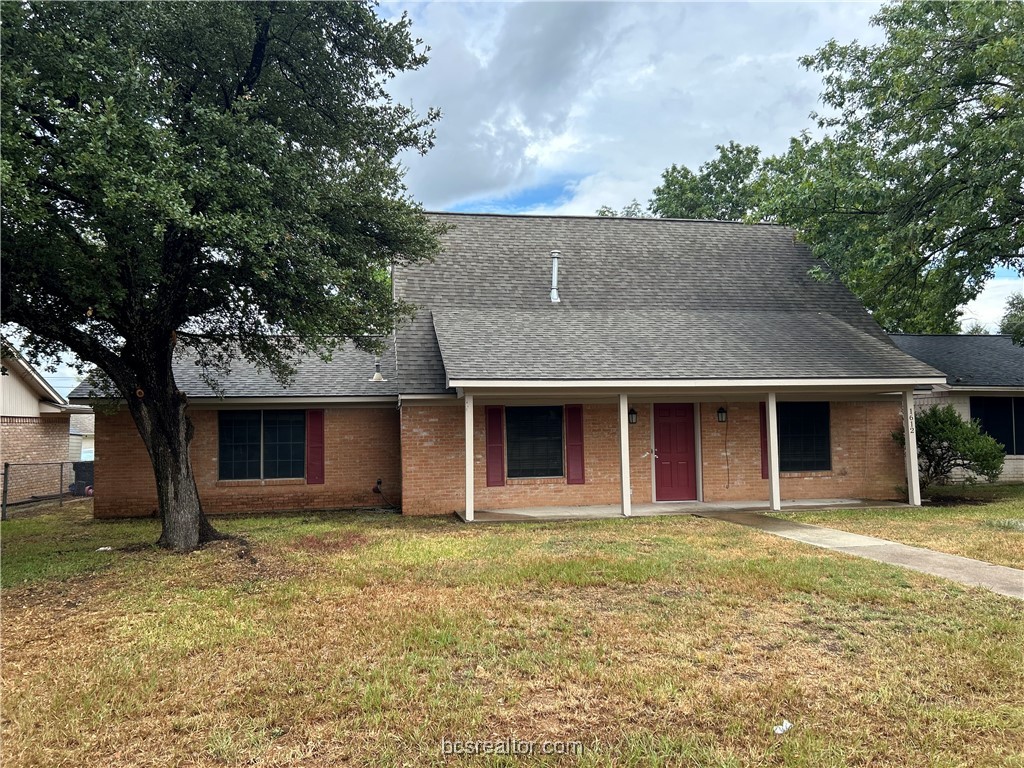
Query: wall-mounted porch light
x,y
723,416
632,416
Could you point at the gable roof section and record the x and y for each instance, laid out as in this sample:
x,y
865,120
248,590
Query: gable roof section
x,y
968,361
640,298
346,375
17,364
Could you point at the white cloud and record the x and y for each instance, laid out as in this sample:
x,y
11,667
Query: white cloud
x,y
990,305
607,95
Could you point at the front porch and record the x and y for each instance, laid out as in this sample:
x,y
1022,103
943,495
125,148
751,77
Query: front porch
x,y
724,444
699,508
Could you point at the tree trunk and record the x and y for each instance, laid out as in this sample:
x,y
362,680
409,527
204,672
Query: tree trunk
x,y
167,432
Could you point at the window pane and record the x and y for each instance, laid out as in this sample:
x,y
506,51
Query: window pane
x,y
996,417
238,435
804,443
533,436
284,444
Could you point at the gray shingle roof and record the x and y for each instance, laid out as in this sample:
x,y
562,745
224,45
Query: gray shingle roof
x,y
968,361
640,298
555,343
346,375
637,295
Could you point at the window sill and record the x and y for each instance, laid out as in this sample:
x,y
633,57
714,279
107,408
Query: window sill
x,y
535,480
258,482
807,473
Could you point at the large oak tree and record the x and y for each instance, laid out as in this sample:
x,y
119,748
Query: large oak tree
x,y
213,179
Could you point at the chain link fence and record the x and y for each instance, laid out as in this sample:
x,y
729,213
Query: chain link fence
x,y
25,483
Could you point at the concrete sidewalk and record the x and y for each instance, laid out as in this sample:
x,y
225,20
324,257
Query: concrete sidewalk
x,y
998,578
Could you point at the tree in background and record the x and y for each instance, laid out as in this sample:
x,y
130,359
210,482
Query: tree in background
x,y
916,192
217,178
631,211
1012,323
723,188
975,329
946,442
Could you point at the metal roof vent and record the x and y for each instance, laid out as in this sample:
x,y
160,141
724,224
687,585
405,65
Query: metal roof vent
x,y
554,276
377,375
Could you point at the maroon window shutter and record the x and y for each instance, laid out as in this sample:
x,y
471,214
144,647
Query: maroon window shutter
x,y
574,445
494,416
764,441
314,447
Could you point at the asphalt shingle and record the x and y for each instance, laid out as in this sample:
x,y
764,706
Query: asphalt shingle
x,y
347,374
558,344
637,295
968,361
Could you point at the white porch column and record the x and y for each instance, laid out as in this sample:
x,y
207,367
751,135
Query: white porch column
x,y
910,451
627,502
774,490
469,457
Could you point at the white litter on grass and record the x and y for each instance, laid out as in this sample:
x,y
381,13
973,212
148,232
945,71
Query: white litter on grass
x,y
105,549
781,729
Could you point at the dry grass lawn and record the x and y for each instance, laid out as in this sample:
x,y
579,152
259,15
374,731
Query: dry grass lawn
x,y
983,521
366,638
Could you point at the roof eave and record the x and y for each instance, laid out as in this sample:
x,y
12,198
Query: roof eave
x,y
641,385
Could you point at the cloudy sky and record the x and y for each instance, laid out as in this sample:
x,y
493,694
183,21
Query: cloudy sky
x,y
561,107
553,107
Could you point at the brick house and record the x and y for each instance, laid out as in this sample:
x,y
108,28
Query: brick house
x,y
984,381
566,361
34,428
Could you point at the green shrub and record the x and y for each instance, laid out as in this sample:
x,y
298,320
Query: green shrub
x,y
945,441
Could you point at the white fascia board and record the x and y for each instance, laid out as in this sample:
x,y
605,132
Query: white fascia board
x,y
691,384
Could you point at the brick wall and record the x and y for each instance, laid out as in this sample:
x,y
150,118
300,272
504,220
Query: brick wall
x,y
360,446
34,440
866,462
433,463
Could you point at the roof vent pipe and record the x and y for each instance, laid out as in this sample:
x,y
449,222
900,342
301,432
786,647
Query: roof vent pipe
x,y
554,276
377,375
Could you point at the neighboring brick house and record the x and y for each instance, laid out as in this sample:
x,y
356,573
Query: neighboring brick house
x,y
984,381
674,360
34,428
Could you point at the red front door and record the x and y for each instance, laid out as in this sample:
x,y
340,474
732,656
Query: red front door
x,y
675,468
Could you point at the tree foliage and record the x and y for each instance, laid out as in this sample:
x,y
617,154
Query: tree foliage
x,y
1012,323
218,177
631,211
723,188
915,193
946,442
975,329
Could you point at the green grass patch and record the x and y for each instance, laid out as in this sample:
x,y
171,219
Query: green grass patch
x,y
367,638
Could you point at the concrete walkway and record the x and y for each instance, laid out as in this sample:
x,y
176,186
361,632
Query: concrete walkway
x,y
997,578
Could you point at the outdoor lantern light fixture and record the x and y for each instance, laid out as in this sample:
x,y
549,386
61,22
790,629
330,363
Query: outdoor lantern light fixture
x,y
632,416
723,416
